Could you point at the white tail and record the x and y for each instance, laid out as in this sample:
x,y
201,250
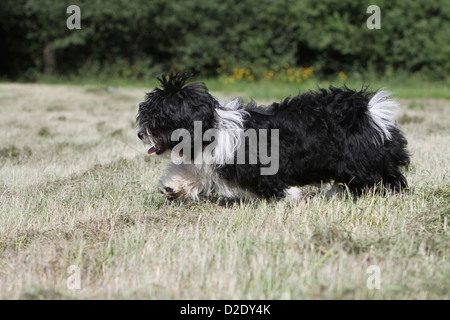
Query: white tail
x,y
383,111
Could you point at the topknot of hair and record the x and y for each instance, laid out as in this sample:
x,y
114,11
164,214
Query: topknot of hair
x,y
174,82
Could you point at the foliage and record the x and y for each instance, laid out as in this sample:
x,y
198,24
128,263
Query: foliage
x,y
138,38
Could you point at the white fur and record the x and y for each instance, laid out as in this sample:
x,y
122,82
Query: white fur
x,y
191,180
383,111
230,126
293,193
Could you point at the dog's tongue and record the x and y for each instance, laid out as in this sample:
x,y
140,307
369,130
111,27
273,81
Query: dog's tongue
x,y
152,150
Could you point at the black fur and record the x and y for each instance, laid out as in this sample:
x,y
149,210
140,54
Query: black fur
x,y
324,136
176,106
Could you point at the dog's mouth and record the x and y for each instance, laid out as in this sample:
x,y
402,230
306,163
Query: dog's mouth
x,y
156,149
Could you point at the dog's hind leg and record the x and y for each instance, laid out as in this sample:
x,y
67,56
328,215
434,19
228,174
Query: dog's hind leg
x,y
336,189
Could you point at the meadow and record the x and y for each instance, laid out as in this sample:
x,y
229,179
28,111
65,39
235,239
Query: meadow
x,y
78,189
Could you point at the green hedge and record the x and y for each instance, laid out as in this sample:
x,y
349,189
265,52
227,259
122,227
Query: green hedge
x,y
145,37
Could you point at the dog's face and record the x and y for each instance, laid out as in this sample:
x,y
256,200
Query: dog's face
x,y
174,106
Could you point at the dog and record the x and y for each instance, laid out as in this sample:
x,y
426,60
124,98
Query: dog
x,y
337,135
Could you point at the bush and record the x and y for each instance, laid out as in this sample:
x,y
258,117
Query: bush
x,y
147,37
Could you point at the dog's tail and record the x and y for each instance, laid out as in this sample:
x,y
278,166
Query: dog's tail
x,y
383,111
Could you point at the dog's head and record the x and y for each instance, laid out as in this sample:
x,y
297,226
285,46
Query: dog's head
x,y
176,105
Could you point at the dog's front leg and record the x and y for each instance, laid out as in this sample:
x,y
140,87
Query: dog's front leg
x,y
179,181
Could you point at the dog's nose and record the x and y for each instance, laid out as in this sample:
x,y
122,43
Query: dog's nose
x,y
140,135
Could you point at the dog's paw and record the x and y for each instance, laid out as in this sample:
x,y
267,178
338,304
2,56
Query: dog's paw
x,y
169,193
337,189
293,194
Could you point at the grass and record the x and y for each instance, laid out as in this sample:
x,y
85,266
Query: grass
x,y
77,188
404,86
272,91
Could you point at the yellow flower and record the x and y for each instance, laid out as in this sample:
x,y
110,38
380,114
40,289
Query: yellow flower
x,y
342,76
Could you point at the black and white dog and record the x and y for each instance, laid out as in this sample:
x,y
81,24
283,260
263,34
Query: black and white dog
x,y
341,135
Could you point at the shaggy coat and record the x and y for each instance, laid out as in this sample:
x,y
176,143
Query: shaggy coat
x,y
341,135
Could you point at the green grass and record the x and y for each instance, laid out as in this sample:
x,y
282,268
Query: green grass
x,y
273,91
79,189
403,86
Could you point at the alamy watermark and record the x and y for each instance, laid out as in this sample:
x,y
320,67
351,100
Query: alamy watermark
x,y
374,21
74,21
74,280
374,280
228,146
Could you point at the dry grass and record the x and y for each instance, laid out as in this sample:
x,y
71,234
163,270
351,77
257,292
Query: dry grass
x,y
77,188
